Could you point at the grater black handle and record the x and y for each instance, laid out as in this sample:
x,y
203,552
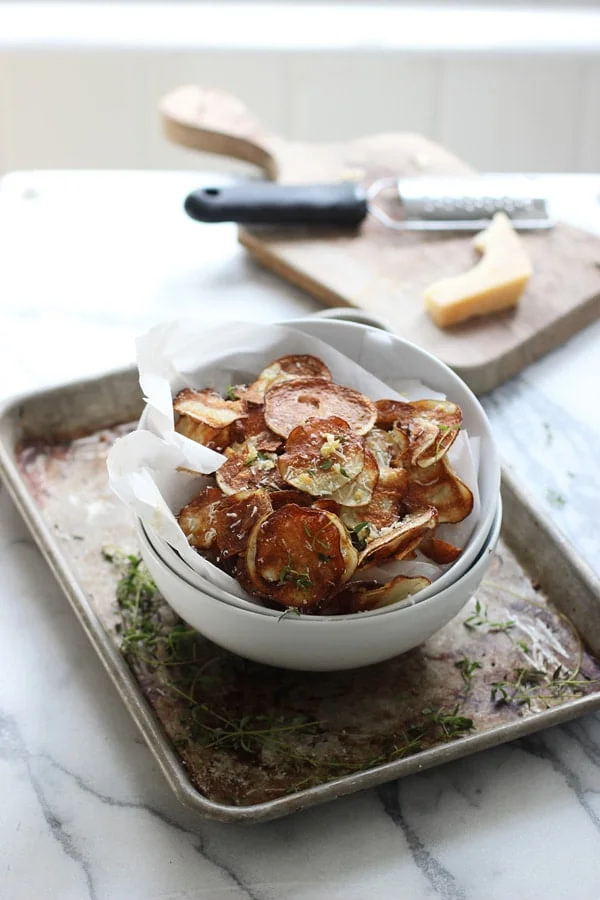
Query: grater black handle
x,y
268,203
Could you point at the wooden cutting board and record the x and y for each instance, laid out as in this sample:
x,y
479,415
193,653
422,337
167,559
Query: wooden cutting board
x,y
385,272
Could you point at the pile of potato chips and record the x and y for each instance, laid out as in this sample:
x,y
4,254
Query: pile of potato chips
x,y
320,485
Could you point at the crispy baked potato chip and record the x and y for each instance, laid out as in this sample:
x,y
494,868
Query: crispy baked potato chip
x,y
253,427
298,556
439,486
215,438
360,596
197,518
342,602
409,556
249,469
282,498
431,426
207,407
205,417
401,538
286,368
322,456
388,447
290,404
395,480
359,491
328,504
384,509
439,551
234,518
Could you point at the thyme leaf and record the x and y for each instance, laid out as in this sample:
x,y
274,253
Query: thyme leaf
x,y
451,723
467,668
359,540
288,573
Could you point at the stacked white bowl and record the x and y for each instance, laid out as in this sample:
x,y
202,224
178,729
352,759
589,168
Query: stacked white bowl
x,y
323,643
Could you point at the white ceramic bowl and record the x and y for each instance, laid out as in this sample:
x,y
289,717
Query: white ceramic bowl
x,y
180,567
326,643
174,561
345,331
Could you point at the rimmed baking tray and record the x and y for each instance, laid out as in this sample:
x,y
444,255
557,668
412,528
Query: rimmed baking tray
x,y
247,743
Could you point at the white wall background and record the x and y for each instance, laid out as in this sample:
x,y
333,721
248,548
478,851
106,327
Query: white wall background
x,y
76,94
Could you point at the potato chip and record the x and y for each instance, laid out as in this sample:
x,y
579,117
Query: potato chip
x,y
234,518
440,551
248,469
322,456
253,427
207,407
327,504
388,447
384,509
395,480
197,518
439,486
282,498
360,596
248,397
287,368
342,602
290,404
359,491
431,426
215,438
204,417
399,539
299,556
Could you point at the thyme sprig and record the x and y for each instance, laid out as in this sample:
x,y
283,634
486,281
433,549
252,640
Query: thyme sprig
x,y
451,724
467,668
529,684
143,637
480,618
249,733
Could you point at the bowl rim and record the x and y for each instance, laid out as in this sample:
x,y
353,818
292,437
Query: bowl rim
x,y
394,609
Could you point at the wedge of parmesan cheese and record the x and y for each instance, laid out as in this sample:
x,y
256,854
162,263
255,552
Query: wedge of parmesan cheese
x,y
496,282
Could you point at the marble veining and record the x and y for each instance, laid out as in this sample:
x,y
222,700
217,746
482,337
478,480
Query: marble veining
x,y
543,750
86,812
441,880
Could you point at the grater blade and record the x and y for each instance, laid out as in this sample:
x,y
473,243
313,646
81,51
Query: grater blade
x,y
461,203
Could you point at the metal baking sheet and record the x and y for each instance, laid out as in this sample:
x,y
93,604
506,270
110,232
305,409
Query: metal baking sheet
x,y
248,743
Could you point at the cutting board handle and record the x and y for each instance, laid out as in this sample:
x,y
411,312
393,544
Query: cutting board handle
x,y
214,121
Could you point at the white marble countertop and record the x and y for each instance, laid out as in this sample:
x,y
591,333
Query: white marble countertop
x,y
87,261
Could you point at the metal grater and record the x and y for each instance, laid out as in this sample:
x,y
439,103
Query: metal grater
x,y
422,203
459,203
